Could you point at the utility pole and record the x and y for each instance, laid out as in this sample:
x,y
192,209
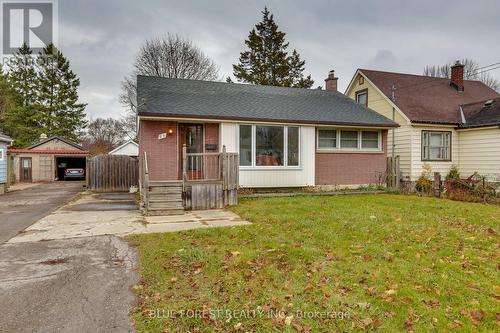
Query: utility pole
x,y
393,98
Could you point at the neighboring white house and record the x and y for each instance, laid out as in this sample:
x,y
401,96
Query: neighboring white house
x,y
443,122
129,148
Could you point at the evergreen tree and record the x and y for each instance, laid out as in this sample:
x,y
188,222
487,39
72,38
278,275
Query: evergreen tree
x,y
57,96
267,60
13,116
22,79
22,74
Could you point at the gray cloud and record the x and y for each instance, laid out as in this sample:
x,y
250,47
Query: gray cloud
x,y
101,38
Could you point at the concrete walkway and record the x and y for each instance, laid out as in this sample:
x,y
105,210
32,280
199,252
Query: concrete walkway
x,y
117,214
20,209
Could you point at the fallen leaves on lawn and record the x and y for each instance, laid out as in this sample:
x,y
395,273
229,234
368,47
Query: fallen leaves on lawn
x,y
477,316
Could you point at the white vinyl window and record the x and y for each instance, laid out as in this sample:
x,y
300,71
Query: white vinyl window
x,y
269,146
436,146
329,139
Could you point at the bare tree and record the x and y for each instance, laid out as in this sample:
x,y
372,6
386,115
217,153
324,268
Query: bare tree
x,y
472,71
170,56
103,135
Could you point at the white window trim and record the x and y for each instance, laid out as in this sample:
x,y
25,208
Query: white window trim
x,y
359,149
2,154
422,146
285,165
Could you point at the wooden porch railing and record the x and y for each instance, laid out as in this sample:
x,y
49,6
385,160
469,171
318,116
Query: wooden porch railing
x,y
211,172
145,191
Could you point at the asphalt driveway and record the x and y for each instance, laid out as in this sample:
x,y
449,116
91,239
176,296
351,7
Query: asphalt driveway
x,y
71,285
20,209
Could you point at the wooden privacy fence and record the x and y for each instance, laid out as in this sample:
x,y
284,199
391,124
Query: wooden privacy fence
x,y
393,172
112,173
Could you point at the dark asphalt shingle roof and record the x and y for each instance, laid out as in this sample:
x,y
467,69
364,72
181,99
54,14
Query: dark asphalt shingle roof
x,y
158,96
481,114
425,99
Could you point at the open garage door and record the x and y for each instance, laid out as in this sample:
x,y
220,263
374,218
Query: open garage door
x,y
70,162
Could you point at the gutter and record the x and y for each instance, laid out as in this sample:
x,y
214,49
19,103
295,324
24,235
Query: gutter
x,y
282,121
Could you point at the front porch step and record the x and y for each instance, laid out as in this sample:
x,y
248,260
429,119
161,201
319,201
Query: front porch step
x,y
166,189
165,198
163,212
165,183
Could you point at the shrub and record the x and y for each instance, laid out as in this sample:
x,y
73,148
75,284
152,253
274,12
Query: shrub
x,y
424,183
453,173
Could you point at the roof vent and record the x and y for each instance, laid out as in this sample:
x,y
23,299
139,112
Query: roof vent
x,y
488,102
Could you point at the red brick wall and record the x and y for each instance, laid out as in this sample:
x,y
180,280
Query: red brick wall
x,y
162,154
351,168
212,135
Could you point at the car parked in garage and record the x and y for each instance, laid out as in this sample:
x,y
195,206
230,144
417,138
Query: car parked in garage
x,y
74,173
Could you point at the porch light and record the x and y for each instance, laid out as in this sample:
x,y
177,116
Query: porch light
x,y
170,131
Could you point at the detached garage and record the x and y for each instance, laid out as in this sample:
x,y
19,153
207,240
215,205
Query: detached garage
x,y
47,160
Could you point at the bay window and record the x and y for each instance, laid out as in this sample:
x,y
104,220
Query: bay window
x,y
330,139
268,146
436,146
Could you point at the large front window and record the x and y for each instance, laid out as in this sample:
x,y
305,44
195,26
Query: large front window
x,y
269,145
436,146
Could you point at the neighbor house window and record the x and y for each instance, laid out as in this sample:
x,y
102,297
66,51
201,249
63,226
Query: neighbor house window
x,y
1,155
335,139
436,146
362,97
269,145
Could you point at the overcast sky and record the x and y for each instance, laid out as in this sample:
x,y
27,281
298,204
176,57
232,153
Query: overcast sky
x,y
102,38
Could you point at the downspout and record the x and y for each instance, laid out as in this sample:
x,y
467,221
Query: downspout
x,y
393,132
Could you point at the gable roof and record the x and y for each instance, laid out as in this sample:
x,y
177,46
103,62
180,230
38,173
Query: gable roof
x,y
233,101
425,99
5,138
129,142
484,113
71,143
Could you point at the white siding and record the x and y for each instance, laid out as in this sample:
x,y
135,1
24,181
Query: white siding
x,y
402,138
402,135
129,149
276,177
479,151
228,137
416,143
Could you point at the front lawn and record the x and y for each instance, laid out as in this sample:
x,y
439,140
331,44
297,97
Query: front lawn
x,y
324,264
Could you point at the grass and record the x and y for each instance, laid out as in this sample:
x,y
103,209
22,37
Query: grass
x,y
383,263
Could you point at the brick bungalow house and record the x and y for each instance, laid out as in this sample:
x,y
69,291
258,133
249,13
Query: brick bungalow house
x,y
285,137
443,122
